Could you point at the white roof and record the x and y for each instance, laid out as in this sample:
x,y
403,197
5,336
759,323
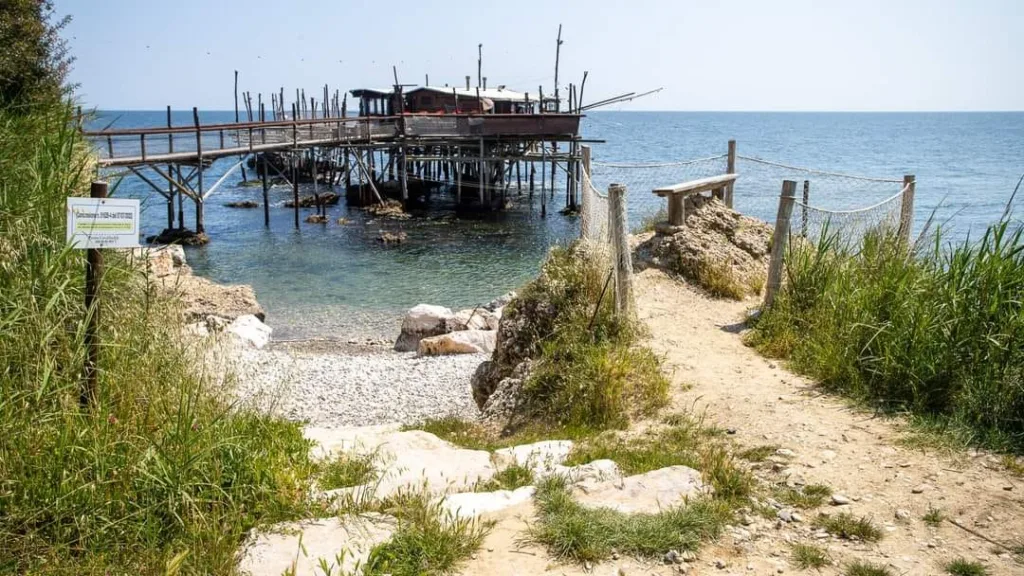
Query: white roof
x,y
490,93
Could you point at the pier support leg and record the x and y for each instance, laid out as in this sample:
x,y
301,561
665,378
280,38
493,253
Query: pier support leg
x,y
295,186
266,191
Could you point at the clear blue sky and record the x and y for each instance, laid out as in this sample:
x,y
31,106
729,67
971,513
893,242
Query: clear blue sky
x,y
734,55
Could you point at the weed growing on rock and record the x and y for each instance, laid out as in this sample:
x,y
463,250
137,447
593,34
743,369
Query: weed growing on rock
x,y
848,526
571,531
964,567
806,556
508,478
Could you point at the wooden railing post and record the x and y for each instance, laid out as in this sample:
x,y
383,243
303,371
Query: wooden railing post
x,y
730,168
803,208
89,394
620,249
200,226
779,238
907,208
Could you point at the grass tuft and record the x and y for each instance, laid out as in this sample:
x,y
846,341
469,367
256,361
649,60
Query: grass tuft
x,y
427,541
345,471
719,279
811,496
862,568
934,517
806,556
850,527
758,453
573,532
508,478
964,567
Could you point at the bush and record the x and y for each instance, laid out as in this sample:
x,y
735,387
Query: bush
x,y
592,372
34,62
161,471
937,333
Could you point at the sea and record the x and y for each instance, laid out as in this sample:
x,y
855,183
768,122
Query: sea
x,y
336,281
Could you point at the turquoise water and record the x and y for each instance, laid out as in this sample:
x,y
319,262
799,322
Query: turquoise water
x,y
338,281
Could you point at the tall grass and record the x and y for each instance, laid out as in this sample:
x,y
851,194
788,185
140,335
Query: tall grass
x,y
161,475
939,332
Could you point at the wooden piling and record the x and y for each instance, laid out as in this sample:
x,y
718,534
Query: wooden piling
x,y
170,172
730,168
200,228
89,394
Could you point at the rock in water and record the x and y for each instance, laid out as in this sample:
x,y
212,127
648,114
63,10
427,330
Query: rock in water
x,y
250,331
272,552
243,204
461,342
422,321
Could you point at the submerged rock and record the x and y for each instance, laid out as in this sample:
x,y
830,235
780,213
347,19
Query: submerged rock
x,y
243,204
422,321
461,342
325,199
179,236
387,238
316,219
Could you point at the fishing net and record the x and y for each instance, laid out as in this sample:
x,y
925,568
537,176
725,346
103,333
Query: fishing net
x,y
846,227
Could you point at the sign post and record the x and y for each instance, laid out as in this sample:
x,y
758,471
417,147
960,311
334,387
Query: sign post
x,y
94,223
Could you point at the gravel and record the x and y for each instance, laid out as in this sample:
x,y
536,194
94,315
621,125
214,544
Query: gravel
x,y
339,388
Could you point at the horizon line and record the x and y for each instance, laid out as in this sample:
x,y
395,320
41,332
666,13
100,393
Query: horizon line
x,y
936,111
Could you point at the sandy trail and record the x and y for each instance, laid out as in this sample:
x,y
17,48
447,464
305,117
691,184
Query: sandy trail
x,y
856,454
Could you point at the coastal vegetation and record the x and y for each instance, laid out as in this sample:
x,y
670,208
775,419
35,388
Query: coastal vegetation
x,y
937,332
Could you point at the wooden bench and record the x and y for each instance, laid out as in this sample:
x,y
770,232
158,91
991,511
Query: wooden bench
x,y
677,193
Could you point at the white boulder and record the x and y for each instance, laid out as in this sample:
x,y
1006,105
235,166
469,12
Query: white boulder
x,y
421,321
473,504
344,543
540,457
649,492
474,319
462,342
249,331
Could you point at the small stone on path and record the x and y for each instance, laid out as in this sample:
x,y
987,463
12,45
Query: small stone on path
x,y
840,500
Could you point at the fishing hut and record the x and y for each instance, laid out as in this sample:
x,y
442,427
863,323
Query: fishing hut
x,y
478,145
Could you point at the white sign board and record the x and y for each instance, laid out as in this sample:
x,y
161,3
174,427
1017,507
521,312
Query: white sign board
x,y
103,223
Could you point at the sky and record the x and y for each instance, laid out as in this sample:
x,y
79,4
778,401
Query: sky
x,y
784,55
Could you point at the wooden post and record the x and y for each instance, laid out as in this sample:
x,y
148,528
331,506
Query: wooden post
x,y
730,168
907,208
558,51
482,179
263,176
779,238
803,208
519,181
620,250
543,169
295,164
200,228
170,172
533,172
93,281
459,167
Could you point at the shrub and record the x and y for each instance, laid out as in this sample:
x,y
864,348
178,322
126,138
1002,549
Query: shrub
x,y
34,62
846,525
806,556
591,370
936,332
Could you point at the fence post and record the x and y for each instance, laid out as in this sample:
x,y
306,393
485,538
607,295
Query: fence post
x,y
779,238
93,281
620,249
803,208
730,168
907,208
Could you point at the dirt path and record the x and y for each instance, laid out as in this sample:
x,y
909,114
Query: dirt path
x,y
859,456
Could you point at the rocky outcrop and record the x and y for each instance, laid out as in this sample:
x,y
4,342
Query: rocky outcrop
x,y
179,236
713,236
249,331
461,342
422,321
649,493
200,298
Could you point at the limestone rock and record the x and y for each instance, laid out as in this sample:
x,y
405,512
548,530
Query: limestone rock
x,y
589,476
473,504
350,538
500,301
713,234
474,319
411,459
202,298
539,456
249,331
462,342
422,321
502,401
649,492
164,261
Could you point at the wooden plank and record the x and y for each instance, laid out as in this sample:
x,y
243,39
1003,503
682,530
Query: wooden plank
x,y
696,186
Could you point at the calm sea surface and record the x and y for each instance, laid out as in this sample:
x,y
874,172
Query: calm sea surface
x,y
337,281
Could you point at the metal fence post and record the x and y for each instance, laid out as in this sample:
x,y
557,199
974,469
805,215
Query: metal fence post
x,y
779,238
